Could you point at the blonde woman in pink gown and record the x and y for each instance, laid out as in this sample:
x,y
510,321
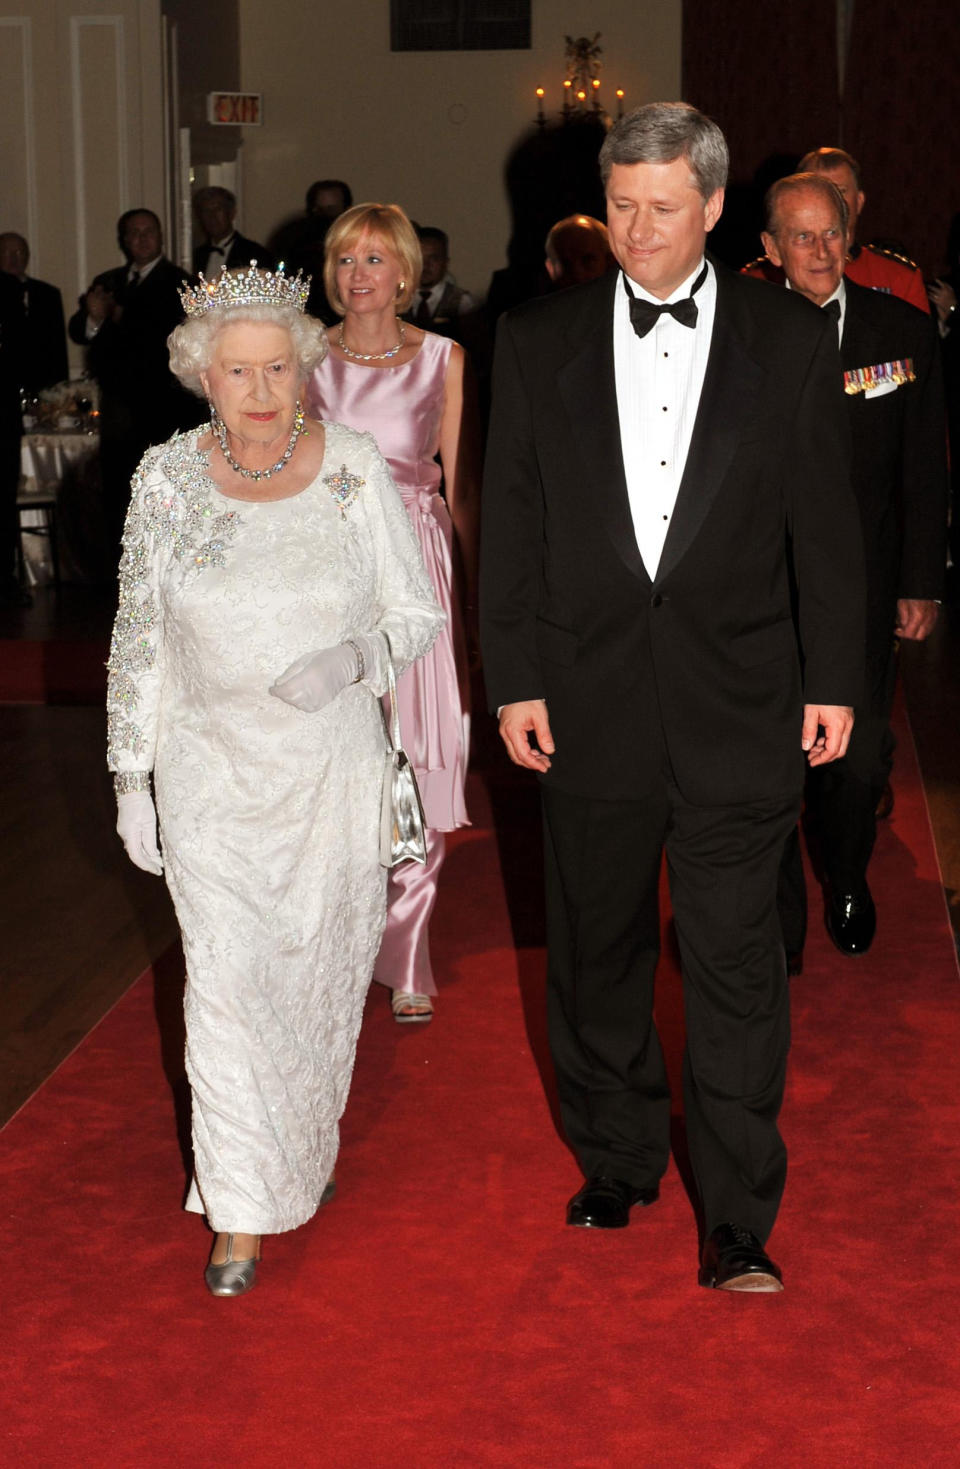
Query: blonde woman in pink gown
x,y
410,389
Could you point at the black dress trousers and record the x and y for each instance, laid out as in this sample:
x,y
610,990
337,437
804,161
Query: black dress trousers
x,y
602,870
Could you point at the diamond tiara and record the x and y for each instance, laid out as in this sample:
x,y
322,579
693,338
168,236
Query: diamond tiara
x,y
250,287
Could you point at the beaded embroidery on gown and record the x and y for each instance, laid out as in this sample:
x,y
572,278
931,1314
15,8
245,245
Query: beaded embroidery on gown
x,y
402,407
269,817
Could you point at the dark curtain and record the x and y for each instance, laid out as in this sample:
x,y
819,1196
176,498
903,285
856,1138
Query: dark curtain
x,y
900,120
769,77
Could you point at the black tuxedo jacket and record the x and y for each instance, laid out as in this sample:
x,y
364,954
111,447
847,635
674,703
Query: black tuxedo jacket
x,y
242,252
11,363
45,338
130,360
899,457
703,657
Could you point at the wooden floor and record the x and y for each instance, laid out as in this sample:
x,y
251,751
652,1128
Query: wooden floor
x,y
80,923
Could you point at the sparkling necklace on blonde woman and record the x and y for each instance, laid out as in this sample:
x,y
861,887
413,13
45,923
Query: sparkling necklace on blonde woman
x,y
220,429
373,356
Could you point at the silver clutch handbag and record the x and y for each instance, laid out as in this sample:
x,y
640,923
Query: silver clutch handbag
x,y
402,834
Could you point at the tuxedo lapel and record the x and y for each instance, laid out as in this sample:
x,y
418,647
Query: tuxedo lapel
x,y
588,388
730,387
859,346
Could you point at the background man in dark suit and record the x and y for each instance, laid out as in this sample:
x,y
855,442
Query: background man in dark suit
x,y
442,302
11,352
301,242
225,248
44,359
124,320
894,405
658,438
576,251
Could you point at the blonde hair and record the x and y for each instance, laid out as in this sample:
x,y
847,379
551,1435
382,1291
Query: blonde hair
x,y
394,228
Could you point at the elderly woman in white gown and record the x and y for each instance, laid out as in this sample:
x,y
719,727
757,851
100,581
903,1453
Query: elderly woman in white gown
x,y
264,560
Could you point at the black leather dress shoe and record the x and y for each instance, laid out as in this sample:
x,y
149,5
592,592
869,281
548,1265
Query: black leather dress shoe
x,y
605,1203
852,921
734,1259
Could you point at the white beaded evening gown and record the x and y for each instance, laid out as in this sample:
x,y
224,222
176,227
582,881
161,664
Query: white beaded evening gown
x,y
269,817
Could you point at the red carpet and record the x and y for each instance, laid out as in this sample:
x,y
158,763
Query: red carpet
x,y
438,1313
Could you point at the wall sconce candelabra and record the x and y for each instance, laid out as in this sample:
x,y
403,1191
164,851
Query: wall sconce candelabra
x,y
581,85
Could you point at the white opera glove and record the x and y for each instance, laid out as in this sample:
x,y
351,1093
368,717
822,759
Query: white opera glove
x,y
315,680
137,827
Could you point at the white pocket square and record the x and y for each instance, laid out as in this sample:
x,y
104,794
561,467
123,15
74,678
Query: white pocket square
x,y
880,389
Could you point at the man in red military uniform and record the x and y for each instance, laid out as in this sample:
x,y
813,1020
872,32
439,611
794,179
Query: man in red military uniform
x,y
866,265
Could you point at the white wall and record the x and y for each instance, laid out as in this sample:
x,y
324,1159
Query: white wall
x,y
430,131
81,117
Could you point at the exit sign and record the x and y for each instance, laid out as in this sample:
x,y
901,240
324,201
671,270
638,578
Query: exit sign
x,y
230,109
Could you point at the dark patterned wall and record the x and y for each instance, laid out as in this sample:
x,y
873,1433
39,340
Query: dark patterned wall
x,y
769,77
902,121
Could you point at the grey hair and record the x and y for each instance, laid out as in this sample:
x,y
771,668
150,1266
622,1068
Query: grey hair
x,y
789,185
191,344
661,132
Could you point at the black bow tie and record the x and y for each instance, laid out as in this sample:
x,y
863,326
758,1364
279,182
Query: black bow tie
x,y
832,309
644,315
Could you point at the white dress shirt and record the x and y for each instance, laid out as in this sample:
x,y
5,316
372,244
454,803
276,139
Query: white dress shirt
x,y
467,302
659,379
220,248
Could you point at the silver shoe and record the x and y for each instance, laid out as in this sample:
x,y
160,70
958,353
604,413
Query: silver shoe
x,y
233,1277
411,1009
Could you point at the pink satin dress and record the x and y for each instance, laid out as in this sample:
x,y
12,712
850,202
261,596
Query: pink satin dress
x,y
402,408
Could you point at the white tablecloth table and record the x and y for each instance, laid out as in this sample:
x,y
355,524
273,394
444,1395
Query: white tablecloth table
x,y
63,463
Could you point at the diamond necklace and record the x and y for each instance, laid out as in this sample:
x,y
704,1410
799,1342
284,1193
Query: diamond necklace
x,y
372,356
220,429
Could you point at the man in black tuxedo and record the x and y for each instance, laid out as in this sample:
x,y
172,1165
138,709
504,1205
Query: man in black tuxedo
x,y
894,405
225,248
124,320
662,441
44,340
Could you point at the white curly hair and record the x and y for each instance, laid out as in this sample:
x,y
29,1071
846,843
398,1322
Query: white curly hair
x,y
191,344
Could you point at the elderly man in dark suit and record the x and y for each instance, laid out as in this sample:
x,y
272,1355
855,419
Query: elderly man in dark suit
x,y
124,320
45,340
225,248
662,440
894,406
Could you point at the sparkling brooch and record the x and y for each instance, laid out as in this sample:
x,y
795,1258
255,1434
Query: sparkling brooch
x,y
344,487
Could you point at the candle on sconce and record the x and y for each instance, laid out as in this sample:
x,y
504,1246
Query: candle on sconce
x,y
619,102
540,117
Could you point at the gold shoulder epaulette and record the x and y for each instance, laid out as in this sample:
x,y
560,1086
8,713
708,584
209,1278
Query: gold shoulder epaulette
x,y
892,255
